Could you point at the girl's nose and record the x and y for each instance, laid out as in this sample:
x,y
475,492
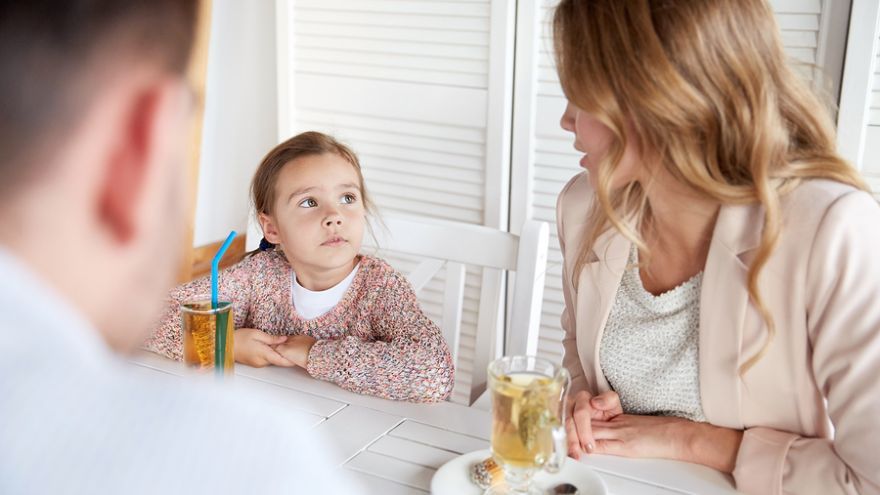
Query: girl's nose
x,y
332,220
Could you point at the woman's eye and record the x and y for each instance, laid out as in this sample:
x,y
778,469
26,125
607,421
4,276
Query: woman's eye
x,y
347,199
308,203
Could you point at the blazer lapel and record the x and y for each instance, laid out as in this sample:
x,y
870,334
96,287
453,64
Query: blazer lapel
x,y
723,304
597,286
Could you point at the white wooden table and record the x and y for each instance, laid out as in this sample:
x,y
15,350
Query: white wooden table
x,y
395,447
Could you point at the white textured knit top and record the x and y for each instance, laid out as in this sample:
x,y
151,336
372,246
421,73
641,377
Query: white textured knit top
x,y
649,351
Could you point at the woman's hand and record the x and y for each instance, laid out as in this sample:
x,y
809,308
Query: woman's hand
x,y
257,348
582,410
296,349
668,437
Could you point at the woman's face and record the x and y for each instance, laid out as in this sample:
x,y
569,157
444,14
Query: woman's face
x,y
593,138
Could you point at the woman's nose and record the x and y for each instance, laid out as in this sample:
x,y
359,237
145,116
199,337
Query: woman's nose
x,y
567,120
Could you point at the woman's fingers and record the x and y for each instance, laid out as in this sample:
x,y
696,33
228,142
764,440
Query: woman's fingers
x,y
574,446
606,405
604,430
582,415
611,437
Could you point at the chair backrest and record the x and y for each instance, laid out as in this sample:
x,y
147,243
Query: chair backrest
x,y
453,245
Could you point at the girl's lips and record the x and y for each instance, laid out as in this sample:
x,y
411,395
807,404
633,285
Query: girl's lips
x,y
333,242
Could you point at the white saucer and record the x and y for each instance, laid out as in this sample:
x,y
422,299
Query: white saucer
x,y
453,478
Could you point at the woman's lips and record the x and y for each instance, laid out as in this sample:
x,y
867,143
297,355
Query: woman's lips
x,y
584,162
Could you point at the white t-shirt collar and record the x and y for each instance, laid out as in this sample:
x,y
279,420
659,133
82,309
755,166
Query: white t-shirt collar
x,y
311,304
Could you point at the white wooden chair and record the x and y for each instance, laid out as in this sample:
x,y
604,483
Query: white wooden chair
x,y
456,245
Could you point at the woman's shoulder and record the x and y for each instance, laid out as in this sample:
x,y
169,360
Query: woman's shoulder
x,y
823,191
812,200
574,199
577,190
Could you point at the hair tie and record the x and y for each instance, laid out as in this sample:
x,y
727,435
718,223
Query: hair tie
x,y
266,245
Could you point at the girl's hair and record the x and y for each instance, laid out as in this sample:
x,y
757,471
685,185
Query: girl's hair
x,y
707,91
306,144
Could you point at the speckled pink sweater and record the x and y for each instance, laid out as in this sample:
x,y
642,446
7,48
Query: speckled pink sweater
x,y
376,341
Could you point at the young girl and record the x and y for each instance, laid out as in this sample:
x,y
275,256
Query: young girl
x,y
308,298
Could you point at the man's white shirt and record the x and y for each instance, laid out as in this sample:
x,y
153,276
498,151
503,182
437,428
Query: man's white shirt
x,y
76,418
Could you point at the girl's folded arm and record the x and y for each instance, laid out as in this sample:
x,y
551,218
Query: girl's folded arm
x,y
408,360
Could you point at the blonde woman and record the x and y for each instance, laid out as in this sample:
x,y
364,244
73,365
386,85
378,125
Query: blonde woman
x,y
722,261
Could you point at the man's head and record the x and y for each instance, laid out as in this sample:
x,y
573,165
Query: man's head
x,y
93,127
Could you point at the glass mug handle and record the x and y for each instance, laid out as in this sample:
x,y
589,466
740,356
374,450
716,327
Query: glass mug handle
x,y
560,443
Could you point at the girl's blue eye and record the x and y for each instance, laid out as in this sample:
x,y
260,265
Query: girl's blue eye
x,y
308,203
347,199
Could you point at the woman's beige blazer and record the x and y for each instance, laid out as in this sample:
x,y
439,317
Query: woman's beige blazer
x,y
811,407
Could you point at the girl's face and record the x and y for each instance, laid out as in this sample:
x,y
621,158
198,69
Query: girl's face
x,y
319,215
593,138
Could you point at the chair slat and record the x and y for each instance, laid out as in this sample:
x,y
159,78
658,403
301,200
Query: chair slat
x,y
441,239
531,270
452,307
490,336
423,274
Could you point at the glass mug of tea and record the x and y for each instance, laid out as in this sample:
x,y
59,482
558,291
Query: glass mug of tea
x,y
203,327
528,423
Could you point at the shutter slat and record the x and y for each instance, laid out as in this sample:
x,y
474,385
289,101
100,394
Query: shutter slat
x,y
381,73
349,120
435,198
430,157
473,8
410,180
403,34
472,177
464,52
393,60
391,19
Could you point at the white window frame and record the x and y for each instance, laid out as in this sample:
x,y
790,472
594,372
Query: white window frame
x,y
858,78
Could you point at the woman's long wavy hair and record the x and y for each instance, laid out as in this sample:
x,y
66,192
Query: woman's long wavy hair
x,y
706,90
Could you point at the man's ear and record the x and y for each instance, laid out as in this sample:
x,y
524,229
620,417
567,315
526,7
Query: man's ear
x,y
128,159
270,230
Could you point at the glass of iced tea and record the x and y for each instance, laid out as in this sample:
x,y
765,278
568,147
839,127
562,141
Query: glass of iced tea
x,y
203,328
528,423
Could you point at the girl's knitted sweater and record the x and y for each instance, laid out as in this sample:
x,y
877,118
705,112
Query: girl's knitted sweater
x,y
375,341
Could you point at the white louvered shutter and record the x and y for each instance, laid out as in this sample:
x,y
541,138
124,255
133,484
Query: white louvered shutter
x,y
871,160
858,122
421,92
543,158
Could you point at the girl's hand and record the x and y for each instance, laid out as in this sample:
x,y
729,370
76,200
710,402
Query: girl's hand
x,y
581,410
296,349
668,437
256,348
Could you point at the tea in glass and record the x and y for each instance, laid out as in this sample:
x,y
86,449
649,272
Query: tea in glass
x,y
528,430
200,327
